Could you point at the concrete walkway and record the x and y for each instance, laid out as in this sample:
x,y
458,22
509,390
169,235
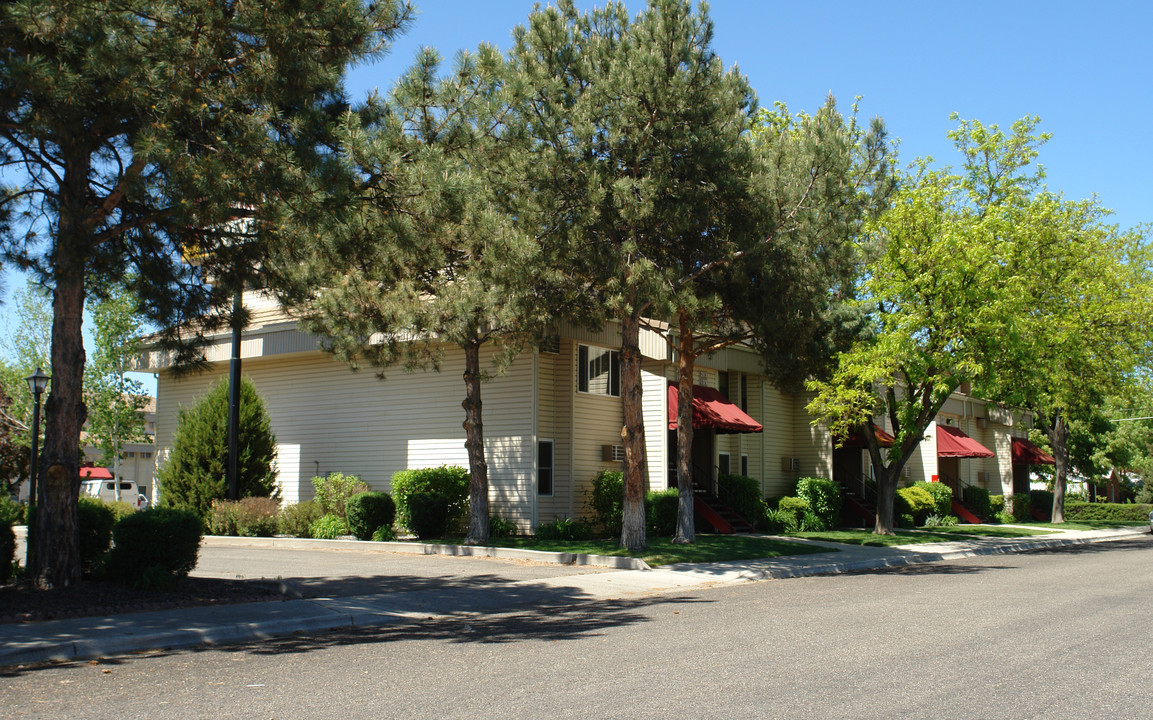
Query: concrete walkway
x,y
592,578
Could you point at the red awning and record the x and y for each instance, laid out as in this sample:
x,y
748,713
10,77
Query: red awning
x,y
951,442
94,473
713,410
1026,453
856,439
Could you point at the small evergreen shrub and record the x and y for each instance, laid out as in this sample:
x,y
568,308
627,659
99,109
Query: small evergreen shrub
x,y
795,507
449,481
296,519
1004,517
94,523
824,498
329,527
661,510
914,501
942,496
429,514
10,511
154,548
1108,512
498,527
996,504
564,529
1020,507
333,491
367,511
978,499
905,520
607,500
742,494
7,552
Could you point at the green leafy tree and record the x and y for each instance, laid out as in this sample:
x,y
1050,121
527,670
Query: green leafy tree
x,y
115,402
194,473
136,134
943,293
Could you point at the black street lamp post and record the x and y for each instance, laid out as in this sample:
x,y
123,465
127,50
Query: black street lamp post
x,y
37,383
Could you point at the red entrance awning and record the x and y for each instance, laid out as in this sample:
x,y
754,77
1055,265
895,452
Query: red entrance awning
x,y
713,410
1026,453
856,439
953,443
94,473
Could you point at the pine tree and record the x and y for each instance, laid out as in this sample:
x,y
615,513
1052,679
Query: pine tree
x,y
194,473
133,134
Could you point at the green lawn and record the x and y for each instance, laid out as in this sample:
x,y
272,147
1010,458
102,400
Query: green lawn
x,y
903,537
661,551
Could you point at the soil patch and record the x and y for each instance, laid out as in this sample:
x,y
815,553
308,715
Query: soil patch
x,y
20,602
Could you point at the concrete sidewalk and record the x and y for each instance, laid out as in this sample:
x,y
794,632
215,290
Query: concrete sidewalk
x,y
101,636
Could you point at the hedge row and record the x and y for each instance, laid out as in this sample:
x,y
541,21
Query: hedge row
x,y
1108,512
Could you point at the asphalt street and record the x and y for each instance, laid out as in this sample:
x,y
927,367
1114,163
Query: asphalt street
x,y
1058,633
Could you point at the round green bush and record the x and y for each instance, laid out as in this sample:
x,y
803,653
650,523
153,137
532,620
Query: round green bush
x,y
154,548
368,511
449,481
296,519
607,500
661,510
824,499
942,496
794,507
915,501
428,514
95,521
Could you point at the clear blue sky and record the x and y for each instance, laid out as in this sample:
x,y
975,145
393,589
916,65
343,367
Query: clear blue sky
x,y
1085,69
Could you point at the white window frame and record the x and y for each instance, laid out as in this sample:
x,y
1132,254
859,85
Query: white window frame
x,y
612,371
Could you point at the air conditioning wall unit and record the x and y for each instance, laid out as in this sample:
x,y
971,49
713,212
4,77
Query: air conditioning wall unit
x,y
791,464
613,453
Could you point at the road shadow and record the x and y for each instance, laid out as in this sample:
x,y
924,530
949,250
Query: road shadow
x,y
931,568
1141,542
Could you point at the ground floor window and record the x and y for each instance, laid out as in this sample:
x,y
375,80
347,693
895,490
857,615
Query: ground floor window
x,y
745,465
544,467
724,464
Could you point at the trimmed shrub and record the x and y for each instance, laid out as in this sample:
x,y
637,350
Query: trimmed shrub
x,y
978,499
942,496
564,529
94,523
905,520
429,514
7,552
1020,507
916,502
661,512
1108,512
333,491
996,504
1003,517
328,527
607,500
195,473
498,527
794,507
1042,502
448,481
742,494
296,519
154,548
823,497
368,511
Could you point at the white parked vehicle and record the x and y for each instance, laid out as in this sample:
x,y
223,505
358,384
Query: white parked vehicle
x,y
106,490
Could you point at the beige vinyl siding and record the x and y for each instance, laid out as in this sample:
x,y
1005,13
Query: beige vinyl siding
x,y
654,407
777,441
355,423
813,445
597,421
554,408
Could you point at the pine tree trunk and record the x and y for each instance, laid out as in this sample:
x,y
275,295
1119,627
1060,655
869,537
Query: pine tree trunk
x,y
474,443
633,437
1059,438
686,523
57,555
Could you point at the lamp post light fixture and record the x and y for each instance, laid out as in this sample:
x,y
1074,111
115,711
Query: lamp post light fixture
x,y
37,384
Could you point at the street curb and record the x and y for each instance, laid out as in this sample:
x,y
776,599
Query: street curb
x,y
417,548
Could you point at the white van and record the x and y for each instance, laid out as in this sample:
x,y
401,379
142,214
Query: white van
x,y
106,490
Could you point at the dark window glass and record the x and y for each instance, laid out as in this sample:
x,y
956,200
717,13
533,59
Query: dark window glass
x,y
544,467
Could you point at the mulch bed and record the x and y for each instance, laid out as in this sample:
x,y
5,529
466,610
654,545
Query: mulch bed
x,y
20,602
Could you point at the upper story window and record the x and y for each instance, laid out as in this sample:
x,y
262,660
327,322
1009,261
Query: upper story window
x,y
598,371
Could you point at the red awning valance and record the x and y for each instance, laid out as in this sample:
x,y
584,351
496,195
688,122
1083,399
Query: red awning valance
x,y
951,442
1026,453
856,439
713,410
